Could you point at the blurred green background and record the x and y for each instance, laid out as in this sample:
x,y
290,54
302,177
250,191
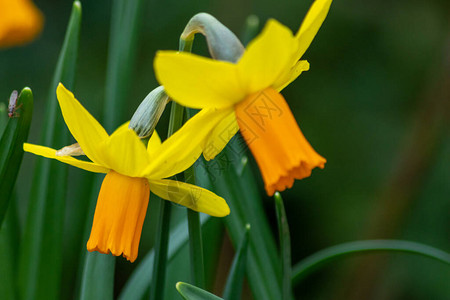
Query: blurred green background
x,y
375,103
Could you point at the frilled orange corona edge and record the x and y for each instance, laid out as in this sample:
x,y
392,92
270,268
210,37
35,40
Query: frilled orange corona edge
x,y
20,22
277,143
119,215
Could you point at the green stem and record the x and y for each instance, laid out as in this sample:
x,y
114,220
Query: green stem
x,y
322,257
196,249
161,246
195,229
162,235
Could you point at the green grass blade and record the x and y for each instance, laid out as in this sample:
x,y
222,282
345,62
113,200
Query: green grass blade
x,y
3,117
285,247
195,229
162,235
233,287
196,249
40,261
11,144
140,279
9,244
230,177
325,256
98,277
190,292
126,17
161,248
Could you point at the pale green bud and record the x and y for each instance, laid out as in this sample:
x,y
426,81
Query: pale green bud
x,y
222,43
148,113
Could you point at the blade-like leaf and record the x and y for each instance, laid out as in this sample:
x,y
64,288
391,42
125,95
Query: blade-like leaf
x,y
139,281
3,117
9,244
229,176
162,234
40,263
195,230
11,152
126,17
322,257
233,287
98,276
285,247
190,292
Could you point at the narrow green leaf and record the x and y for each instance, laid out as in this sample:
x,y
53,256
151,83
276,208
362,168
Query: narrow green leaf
x,y
229,176
325,256
161,246
195,230
190,292
126,17
98,276
162,235
11,144
9,244
196,248
233,287
40,260
285,247
139,281
3,117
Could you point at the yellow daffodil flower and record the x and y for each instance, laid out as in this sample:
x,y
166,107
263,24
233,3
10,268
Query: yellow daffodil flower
x,y
132,172
248,94
20,22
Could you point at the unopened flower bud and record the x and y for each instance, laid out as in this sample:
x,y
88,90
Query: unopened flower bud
x,y
148,113
222,43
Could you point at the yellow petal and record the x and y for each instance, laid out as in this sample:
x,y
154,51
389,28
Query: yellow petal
x,y
196,81
311,24
153,144
20,22
185,146
221,135
83,126
191,196
267,57
51,153
125,153
297,69
122,127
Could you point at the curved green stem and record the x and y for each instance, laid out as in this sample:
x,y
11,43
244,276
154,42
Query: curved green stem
x,y
322,257
162,235
195,229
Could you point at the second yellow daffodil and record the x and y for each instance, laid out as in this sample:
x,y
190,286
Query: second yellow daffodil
x,y
247,92
132,172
